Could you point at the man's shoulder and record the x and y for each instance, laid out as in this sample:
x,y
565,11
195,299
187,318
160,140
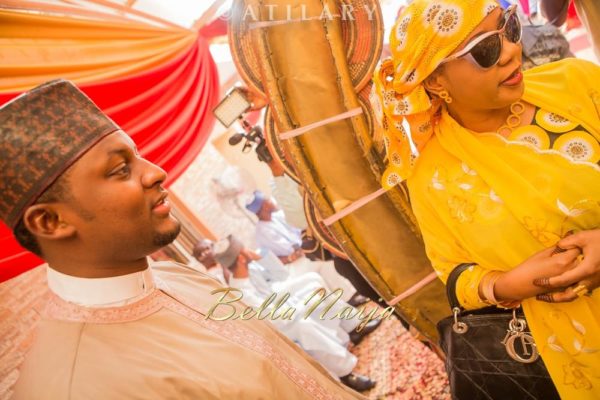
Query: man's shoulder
x,y
172,269
52,356
187,284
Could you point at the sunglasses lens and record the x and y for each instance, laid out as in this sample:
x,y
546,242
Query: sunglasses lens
x,y
513,29
487,52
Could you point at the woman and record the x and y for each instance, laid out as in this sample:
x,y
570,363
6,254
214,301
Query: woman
x,y
502,172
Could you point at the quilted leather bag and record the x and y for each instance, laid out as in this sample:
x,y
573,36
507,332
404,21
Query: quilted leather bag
x,y
490,353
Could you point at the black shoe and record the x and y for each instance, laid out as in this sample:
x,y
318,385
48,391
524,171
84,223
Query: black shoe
x,y
357,337
360,383
358,299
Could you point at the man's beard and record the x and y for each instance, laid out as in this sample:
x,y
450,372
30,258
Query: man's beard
x,y
165,238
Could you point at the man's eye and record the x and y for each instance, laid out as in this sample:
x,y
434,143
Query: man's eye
x,y
124,170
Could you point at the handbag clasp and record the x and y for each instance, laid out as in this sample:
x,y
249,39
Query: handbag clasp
x,y
527,352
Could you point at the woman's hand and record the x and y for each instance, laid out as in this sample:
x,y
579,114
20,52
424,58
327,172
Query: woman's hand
x,y
583,278
518,283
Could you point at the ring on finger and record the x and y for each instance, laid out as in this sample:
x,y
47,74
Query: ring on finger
x,y
548,298
581,290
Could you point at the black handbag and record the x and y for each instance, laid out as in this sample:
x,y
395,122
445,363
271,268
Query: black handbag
x,y
490,353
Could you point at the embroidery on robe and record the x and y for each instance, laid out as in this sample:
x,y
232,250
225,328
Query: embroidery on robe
x,y
59,309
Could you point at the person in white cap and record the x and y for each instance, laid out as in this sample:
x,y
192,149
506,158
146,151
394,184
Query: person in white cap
x,y
325,339
285,241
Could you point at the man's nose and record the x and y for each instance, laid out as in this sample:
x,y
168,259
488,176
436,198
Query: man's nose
x,y
152,175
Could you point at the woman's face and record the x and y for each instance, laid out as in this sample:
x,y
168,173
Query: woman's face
x,y
473,87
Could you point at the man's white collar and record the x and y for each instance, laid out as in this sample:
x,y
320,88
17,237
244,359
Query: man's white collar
x,y
101,292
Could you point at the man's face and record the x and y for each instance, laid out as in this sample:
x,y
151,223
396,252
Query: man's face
x,y
116,202
267,208
205,253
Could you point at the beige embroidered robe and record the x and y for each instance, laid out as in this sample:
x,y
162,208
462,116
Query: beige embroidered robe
x,y
162,347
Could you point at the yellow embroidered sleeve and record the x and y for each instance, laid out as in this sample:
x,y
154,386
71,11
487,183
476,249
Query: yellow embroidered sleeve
x,y
445,253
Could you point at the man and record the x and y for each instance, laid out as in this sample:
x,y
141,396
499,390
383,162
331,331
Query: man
x,y
76,192
286,193
326,338
268,275
275,234
203,253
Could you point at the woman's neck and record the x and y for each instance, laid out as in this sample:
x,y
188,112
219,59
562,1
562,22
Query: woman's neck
x,y
480,120
488,120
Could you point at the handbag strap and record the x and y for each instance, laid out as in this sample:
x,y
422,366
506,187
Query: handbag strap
x,y
451,284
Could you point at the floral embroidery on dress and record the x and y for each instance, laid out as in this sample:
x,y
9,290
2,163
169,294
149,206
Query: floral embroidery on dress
x,y
438,180
541,231
572,211
466,193
553,122
489,208
571,338
579,146
468,170
576,377
461,209
531,134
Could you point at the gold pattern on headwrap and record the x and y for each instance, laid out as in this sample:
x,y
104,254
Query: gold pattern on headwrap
x,y
425,33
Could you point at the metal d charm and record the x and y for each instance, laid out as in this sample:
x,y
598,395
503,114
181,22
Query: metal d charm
x,y
528,352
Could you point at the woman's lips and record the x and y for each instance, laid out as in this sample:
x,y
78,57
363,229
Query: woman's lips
x,y
514,79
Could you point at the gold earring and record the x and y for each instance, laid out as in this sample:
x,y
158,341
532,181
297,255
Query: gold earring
x,y
444,95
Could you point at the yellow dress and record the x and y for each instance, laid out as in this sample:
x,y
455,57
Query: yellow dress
x,y
494,201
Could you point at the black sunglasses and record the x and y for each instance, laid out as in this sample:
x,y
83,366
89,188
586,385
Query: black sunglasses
x,y
485,50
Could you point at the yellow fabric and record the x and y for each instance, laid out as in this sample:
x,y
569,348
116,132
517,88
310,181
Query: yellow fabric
x,y
425,33
38,47
484,199
556,132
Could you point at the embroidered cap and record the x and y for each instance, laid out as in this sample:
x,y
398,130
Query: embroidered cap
x,y
42,133
227,251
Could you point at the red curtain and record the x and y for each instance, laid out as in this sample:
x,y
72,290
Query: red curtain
x,y
166,110
216,28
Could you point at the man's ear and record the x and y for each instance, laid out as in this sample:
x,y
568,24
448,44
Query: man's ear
x,y
45,221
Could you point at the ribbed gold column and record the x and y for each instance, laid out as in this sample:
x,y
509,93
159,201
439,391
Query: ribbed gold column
x,y
304,73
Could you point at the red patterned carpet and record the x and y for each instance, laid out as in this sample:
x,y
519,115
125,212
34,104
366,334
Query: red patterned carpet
x,y
403,367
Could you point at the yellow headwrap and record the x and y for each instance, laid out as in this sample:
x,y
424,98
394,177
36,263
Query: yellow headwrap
x,y
425,33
